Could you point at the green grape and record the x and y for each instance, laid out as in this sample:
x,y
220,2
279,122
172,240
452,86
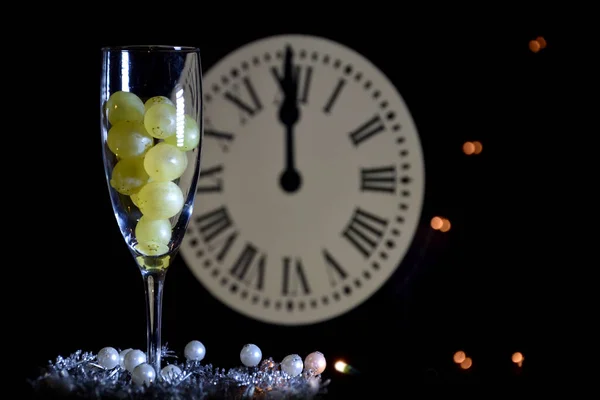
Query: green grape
x,y
152,248
124,106
128,175
129,139
134,199
161,120
153,230
157,100
165,162
160,200
189,139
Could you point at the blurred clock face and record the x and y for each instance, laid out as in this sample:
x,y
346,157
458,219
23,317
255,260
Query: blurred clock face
x,y
312,181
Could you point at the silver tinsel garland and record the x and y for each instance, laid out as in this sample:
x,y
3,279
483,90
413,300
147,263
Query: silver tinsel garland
x,y
79,376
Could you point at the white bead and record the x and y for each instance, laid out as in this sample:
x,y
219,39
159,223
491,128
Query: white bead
x,y
316,362
170,372
143,374
108,357
122,357
292,365
250,355
133,359
194,351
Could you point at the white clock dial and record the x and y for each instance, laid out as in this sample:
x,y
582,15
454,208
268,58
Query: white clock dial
x,y
323,240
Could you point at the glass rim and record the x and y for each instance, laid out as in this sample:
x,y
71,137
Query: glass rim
x,y
152,47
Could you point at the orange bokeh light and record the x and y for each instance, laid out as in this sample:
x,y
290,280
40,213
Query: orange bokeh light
x,y
467,363
518,358
459,357
534,46
437,223
445,225
541,41
468,148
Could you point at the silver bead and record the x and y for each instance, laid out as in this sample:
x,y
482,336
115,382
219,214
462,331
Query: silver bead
x,y
194,351
250,355
108,357
143,374
170,372
133,359
122,357
316,362
292,365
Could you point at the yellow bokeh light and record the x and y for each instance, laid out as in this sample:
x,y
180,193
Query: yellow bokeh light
x,y
340,366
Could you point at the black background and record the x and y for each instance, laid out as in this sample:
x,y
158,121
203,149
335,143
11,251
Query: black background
x,y
474,288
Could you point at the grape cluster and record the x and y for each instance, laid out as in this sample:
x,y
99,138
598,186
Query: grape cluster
x,y
150,141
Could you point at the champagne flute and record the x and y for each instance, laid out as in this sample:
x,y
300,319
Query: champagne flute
x,y
151,129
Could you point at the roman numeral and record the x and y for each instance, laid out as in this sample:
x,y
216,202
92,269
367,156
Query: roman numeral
x,y
224,138
213,223
334,96
247,270
334,269
255,104
378,179
210,180
367,130
225,246
304,76
294,278
218,135
364,231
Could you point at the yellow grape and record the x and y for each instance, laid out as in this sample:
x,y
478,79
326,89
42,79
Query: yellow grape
x,y
156,100
165,162
152,248
153,230
160,200
129,175
129,139
189,139
161,120
124,106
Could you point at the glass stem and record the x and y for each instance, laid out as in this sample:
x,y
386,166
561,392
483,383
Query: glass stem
x,y
154,282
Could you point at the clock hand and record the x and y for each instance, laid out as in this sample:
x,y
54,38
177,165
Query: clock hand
x,y
289,114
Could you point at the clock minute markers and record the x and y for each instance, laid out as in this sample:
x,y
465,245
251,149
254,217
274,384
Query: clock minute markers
x,y
289,114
